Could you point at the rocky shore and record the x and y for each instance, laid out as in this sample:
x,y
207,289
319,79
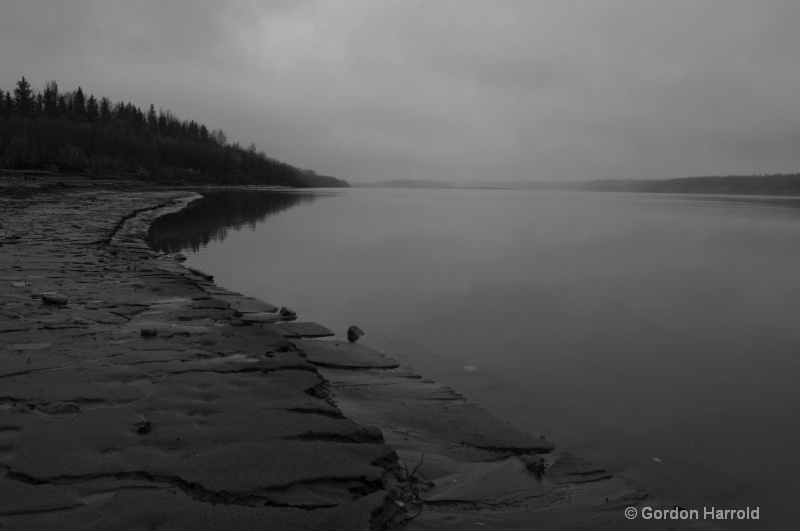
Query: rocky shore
x,y
137,394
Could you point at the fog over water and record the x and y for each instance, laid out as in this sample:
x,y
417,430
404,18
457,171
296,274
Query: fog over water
x,y
655,333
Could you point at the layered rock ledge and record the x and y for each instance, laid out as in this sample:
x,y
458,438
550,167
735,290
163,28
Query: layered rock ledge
x,y
137,394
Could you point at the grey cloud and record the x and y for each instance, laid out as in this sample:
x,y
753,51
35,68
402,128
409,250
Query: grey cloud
x,y
448,89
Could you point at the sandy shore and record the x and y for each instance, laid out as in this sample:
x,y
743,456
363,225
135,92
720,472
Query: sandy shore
x,y
137,394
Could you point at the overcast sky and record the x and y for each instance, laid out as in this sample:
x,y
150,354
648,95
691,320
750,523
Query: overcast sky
x,y
371,90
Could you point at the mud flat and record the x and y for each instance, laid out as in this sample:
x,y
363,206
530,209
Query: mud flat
x,y
137,394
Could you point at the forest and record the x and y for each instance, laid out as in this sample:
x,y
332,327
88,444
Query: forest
x,y
72,132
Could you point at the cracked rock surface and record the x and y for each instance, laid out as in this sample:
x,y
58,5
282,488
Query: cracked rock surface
x,y
136,394
464,466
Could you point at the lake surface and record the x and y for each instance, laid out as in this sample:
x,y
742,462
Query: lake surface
x,y
657,334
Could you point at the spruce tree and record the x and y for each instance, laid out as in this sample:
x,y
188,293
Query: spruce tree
x,y
50,98
105,110
92,110
38,105
152,120
62,108
9,105
79,104
23,98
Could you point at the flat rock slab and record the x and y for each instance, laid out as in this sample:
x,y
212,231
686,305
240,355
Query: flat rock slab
x,y
343,355
497,480
264,317
24,498
575,469
12,326
247,304
299,330
393,401
81,385
169,508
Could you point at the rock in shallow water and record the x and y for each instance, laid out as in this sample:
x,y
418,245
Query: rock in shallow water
x,y
286,312
354,333
201,274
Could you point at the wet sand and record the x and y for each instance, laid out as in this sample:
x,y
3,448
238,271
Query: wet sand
x,y
137,394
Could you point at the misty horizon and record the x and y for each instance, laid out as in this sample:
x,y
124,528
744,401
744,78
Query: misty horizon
x,y
453,91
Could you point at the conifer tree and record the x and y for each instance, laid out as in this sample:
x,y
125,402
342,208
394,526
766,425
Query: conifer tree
x,y
79,104
152,120
219,137
23,98
193,131
50,98
92,110
38,105
62,108
9,104
105,110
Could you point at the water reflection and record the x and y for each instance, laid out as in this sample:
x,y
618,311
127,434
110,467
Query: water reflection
x,y
210,218
763,207
770,207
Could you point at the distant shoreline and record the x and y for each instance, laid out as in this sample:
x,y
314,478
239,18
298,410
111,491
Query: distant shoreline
x,y
775,184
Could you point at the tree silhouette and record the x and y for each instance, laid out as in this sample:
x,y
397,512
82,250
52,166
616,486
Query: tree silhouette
x,y
92,110
67,131
152,119
62,108
23,98
79,104
105,110
50,99
9,104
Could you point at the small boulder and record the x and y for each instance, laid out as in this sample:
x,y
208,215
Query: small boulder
x,y
286,312
55,299
149,332
179,257
354,333
371,434
144,427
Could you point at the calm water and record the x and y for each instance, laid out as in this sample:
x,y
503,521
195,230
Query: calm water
x,y
657,334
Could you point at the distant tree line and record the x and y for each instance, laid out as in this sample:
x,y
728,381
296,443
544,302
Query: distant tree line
x,y
72,132
767,184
